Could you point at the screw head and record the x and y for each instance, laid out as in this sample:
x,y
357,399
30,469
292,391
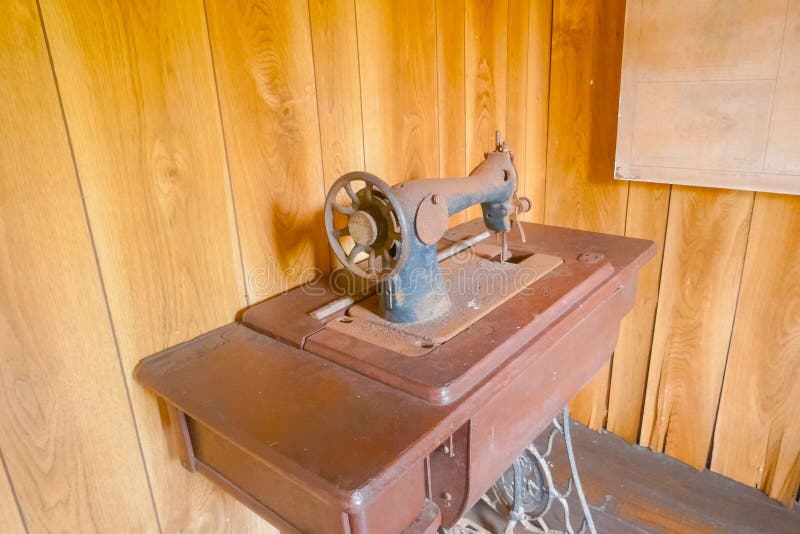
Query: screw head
x,y
591,257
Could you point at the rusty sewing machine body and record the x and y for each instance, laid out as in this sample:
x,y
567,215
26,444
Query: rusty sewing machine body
x,y
391,400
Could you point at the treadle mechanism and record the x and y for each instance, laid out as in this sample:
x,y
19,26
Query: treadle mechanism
x,y
525,494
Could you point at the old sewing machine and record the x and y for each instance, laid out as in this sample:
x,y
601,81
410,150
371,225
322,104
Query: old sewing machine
x,y
392,401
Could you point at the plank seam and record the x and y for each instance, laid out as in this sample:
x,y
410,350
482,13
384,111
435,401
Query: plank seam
x,y
438,96
227,158
319,121
547,122
653,325
730,335
97,266
466,118
13,492
774,89
604,425
657,394
360,90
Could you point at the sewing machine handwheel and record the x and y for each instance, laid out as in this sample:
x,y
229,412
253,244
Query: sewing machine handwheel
x,y
375,225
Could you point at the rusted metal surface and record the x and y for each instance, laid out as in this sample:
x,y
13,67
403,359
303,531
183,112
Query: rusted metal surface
x,y
445,373
478,286
397,229
343,447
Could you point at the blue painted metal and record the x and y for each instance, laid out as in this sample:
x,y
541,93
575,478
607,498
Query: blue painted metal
x,y
417,292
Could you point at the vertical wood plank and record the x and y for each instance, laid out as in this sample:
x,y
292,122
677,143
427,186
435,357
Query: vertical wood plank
x,y
516,134
581,190
486,49
335,44
538,93
756,440
648,205
451,92
10,520
265,75
703,257
138,92
398,65
451,88
65,407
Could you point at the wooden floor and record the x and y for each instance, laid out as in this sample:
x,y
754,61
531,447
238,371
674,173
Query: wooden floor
x,y
634,490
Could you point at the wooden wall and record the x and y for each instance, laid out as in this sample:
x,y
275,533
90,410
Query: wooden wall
x,y
164,163
707,368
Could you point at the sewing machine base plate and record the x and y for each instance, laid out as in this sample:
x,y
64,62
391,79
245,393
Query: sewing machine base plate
x,y
476,284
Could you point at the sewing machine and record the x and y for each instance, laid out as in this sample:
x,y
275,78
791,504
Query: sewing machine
x,y
390,395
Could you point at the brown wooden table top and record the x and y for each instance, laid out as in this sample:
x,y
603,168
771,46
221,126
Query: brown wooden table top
x,y
325,426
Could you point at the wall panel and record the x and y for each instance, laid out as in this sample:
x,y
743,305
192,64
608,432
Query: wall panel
x,y
536,109
581,192
397,42
138,92
761,391
338,86
648,205
486,68
703,257
517,86
265,77
68,437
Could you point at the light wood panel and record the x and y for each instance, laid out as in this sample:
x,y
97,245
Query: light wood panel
x,y
648,205
538,94
703,258
138,92
338,87
397,55
65,407
451,89
451,81
710,94
581,191
517,86
761,392
265,77
486,49
11,521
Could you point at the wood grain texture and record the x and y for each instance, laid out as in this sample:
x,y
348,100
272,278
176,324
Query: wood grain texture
x,y
451,80
648,205
10,519
710,94
265,77
338,87
581,191
703,257
138,91
450,30
538,94
518,30
64,399
397,53
486,50
756,440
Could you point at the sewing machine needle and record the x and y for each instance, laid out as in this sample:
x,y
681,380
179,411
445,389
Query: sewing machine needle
x,y
504,254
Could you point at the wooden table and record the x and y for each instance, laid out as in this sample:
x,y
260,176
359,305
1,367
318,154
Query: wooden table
x,y
320,433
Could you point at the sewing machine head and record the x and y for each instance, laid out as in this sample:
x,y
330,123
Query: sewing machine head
x,y
390,234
